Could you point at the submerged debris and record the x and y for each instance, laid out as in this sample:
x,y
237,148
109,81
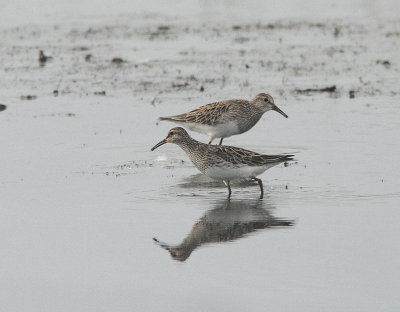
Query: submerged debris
x,y
336,32
43,58
385,63
320,90
117,60
80,48
2,107
103,93
88,57
56,115
242,39
161,30
180,85
351,94
28,97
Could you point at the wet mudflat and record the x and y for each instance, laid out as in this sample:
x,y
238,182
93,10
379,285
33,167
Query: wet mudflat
x,y
91,220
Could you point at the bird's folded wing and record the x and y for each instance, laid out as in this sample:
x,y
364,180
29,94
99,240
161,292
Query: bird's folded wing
x,y
238,156
210,114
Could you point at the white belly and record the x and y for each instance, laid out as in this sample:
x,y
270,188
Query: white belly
x,y
218,131
234,173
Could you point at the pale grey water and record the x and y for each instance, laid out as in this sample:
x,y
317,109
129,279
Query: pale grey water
x,y
82,196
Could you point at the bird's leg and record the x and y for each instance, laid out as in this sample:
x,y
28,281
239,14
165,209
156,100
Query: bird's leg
x,y
211,139
229,188
261,186
220,142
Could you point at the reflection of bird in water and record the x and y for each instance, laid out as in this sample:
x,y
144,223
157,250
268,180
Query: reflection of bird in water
x,y
230,220
199,180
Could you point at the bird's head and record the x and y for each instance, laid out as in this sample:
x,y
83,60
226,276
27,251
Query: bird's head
x,y
175,135
266,103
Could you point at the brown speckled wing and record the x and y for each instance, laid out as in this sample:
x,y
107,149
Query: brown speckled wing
x,y
210,114
238,156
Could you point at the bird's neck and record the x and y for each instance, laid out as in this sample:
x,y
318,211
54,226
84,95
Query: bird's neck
x,y
189,144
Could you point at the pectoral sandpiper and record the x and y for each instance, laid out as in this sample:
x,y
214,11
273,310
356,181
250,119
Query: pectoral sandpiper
x,y
226,118
223,162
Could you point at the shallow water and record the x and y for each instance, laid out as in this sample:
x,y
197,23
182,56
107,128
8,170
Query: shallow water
x,y
83,197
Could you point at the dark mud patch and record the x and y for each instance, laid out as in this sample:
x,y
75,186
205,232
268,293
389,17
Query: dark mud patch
x,y
118,60
81,48
385,63
56,115
136,166
260,56
43,58
141,164
162,31
180,85
28,97
310,91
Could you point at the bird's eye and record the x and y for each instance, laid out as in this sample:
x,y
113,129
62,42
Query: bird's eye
x,y
172,133
265,99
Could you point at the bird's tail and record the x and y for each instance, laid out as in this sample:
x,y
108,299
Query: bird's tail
x,y
277,158
287,157
177,118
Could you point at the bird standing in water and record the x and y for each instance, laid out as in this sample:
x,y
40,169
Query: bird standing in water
x,y
226,118
223,162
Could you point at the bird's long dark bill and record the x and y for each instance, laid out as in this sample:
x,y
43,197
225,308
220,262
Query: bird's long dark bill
x,y
276,108
158,144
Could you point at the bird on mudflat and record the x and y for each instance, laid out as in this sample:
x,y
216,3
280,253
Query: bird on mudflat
x,y
226,118
221,162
